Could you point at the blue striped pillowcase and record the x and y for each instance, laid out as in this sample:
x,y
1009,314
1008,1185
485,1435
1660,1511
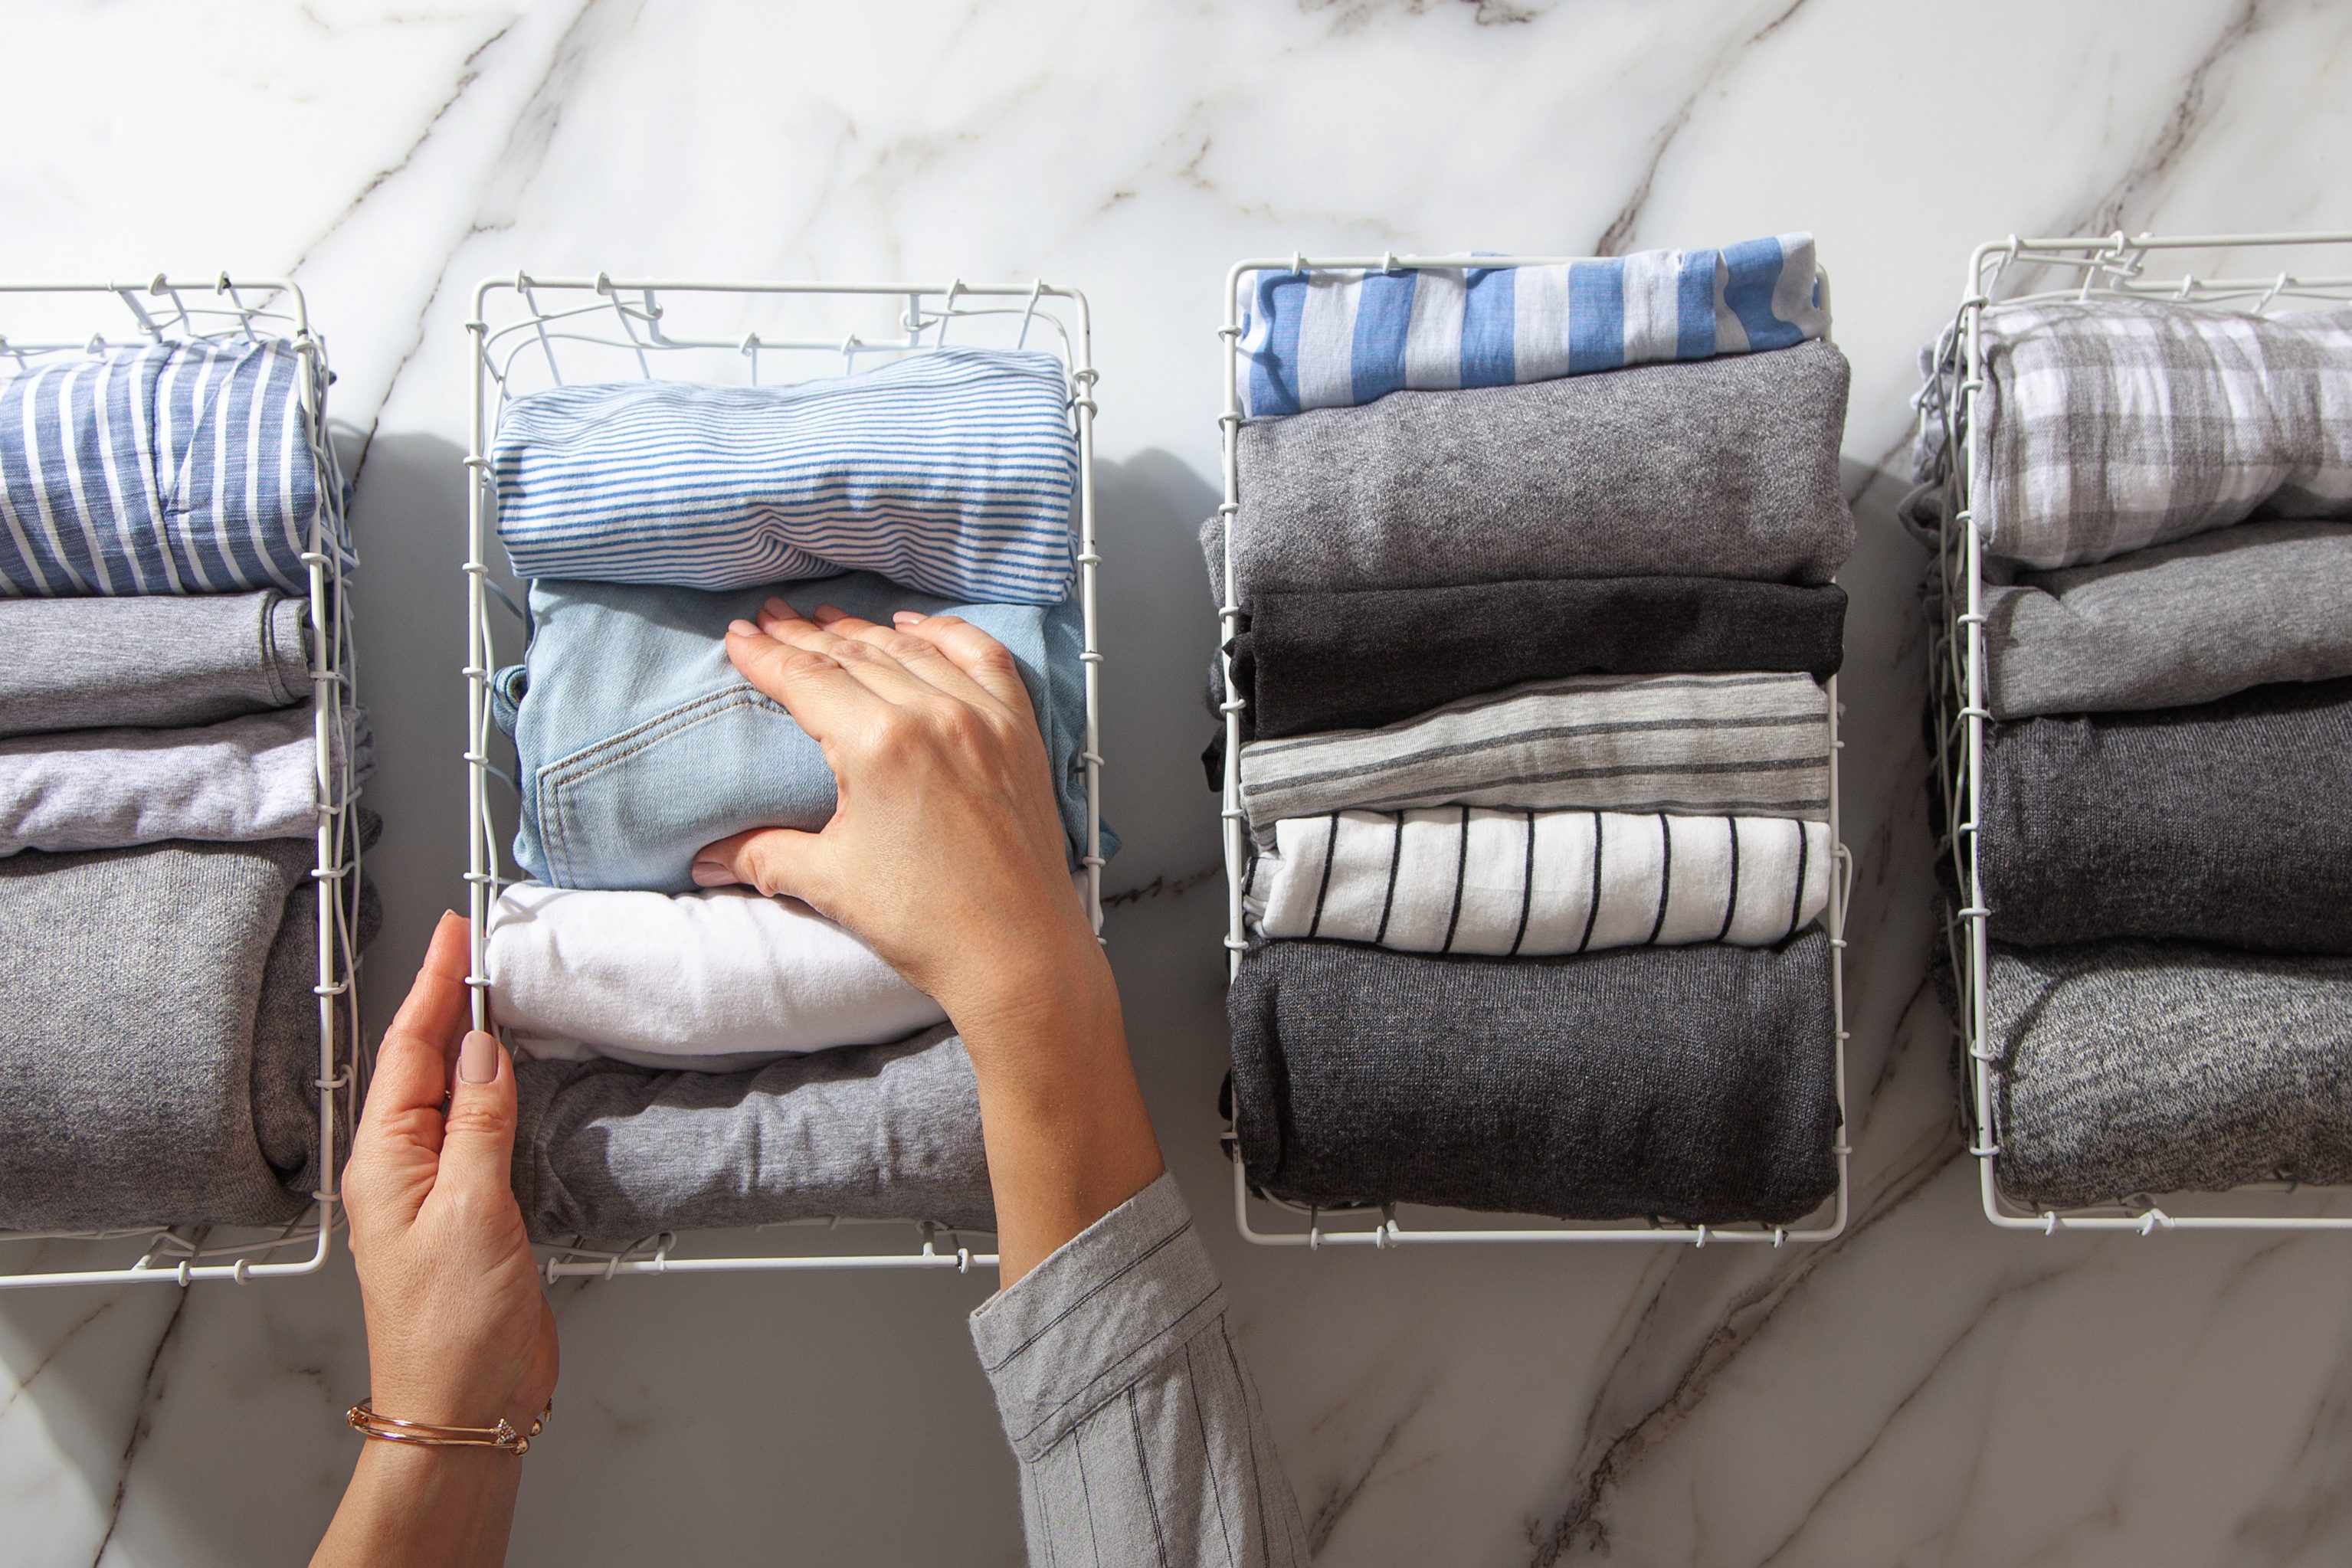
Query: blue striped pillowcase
x,y
180,467
1333,339
950,471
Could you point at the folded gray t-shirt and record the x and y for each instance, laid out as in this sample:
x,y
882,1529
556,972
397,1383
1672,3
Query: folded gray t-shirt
x,y
1723,467
2176,625
614,1153
150,661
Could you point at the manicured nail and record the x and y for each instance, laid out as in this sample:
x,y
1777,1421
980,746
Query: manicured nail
x,y
828,614
777,610
741,629
909,617
477,1058
712,873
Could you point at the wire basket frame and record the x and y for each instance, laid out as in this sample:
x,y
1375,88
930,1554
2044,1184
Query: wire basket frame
x,y
1386,1229
528,331
73,321
2079,268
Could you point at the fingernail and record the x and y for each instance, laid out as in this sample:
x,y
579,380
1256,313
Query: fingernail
x,y
712,873
477,1058
831,612
741,629
776,609
909,617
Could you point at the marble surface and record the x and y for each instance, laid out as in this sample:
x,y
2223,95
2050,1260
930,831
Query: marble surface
x,y
1923,1391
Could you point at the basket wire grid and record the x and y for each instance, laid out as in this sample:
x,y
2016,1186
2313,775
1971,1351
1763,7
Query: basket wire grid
x,y
529,331
2114,267
1386,1229
74,320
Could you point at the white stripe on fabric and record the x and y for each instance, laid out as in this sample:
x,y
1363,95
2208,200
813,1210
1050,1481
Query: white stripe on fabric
x,y
1730,332
1327,340
1539,322
1433,343
1653,306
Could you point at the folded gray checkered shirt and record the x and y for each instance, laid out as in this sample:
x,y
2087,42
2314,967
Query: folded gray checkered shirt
x,y
2108,426
1136,1426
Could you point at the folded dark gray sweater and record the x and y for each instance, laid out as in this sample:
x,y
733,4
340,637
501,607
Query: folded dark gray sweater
x,y
1366,657
2128,1068
1724,467
614,1153
1692,1083
2224,824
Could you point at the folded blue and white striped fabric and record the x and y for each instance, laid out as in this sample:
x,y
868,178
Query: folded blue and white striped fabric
x,y
1333,339
949,472
172,468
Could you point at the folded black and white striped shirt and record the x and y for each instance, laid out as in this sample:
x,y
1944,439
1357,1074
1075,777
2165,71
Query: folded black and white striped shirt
x,y
1741,744
1466,879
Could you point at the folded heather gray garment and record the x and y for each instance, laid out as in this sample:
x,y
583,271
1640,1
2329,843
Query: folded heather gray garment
x,y
2174,625
1709,745
237,781
2222,823
150,661
2109,425
159,1037
2129,1068
1370,656
1723,467
614,1153
1691,1083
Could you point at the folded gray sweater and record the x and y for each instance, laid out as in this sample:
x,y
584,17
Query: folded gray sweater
x,y
150,661
2176,625
2222,823
159,1036
1723,467
2128,1068
614,1153
1693,1084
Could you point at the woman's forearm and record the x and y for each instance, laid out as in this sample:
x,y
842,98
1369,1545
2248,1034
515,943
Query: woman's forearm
x,y
1068,1134
413,1504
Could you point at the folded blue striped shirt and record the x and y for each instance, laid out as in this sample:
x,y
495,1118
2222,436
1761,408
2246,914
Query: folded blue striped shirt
x,y
1336,339
180,467
947,472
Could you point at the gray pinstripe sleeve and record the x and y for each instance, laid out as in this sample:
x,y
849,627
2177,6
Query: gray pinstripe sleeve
x,y
1138,1429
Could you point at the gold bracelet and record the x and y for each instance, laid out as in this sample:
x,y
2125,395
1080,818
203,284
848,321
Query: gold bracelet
x,y
361,1417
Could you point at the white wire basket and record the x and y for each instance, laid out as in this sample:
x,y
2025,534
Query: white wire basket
x,y
52,323
2009,271
1312,1226
530,332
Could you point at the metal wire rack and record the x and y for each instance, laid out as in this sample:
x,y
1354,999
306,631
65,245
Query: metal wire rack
x,y
529,332
2079,268
63,321
1384,1228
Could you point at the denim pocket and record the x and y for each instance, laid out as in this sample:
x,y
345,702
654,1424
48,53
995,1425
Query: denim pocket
x,y
631,810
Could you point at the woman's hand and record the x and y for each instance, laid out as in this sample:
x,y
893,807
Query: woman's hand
x,y
947,855
458,1331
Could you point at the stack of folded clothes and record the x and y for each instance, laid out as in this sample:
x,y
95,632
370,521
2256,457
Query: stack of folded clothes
x,y
1534,568
160,790
2168,672
710,1059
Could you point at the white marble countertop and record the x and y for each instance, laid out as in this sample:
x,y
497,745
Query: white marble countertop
x,y
1923,1391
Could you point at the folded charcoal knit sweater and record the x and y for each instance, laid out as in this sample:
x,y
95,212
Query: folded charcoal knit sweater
x,y
1694,1083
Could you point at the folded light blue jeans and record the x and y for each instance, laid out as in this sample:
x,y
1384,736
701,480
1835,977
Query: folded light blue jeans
x,y
638,743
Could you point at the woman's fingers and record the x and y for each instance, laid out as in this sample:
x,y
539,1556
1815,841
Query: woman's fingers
x,y
823,698
412,1066
871,666
477,1149
987,662
918,656
776,860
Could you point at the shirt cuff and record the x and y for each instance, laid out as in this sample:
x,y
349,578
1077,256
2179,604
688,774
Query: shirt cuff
x,y
1093,1319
